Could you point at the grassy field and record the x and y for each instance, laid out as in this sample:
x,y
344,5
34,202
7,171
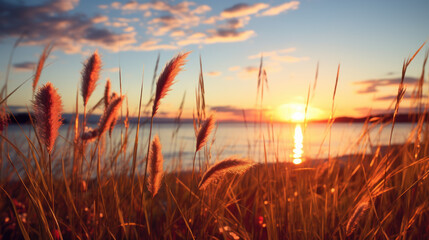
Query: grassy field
x,y
90,188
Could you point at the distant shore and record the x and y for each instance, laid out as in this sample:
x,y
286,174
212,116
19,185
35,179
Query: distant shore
x,y
24,118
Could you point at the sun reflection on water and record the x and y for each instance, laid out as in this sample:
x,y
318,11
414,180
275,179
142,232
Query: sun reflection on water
x,y
298,145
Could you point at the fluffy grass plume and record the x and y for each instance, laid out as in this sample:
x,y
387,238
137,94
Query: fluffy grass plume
x,y
109,114
90,74
166,79
47,111
155,166
40,65
107,93
89,134
228,165
204,132
357,215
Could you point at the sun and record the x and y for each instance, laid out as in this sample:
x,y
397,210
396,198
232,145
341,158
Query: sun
x,y
298,116
295,112
291,112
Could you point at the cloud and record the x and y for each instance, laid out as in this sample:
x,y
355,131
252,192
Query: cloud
x,y
113,69
280,56
103,6
251,69
216,36
129,29
48,22
228,35
184,15
64,5
99,19
214,73
243,9
293,5
373,85
182,21
116,24
407,96
177,33
195,38
127,20
234,68
202,9
152,45
236,23
24,66
379,111
247,73
237,114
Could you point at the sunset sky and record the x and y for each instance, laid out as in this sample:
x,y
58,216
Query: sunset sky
x,y
370,39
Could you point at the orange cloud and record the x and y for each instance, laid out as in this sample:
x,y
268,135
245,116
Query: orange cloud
x,y
281,8
152,45
214,73
243,9
279,56
228,35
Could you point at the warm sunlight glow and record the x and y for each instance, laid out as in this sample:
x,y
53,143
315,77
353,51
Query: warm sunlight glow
x,y
298,116
298,145
295,112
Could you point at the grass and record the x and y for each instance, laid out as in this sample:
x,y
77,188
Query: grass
x,y
382,195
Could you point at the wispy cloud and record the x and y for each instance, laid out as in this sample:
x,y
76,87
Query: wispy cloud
x,y
243,9
152,45
364,111
373,85
195,38
282,55
50,21
143,26
234,68
114,69
272,11
99,19
214,73
228,112
228,35
407,96
184,15
24,66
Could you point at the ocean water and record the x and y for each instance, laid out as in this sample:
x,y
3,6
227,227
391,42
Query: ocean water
x,y
282,142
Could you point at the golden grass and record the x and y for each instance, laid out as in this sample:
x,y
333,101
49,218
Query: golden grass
x,y
217,171
155,166
47,111
166,79
382,195
90,75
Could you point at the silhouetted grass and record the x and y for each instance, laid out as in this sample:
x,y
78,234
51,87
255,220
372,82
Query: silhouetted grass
x,y
383,195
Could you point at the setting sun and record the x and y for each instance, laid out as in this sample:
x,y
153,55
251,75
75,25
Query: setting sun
x,y
193,119
294,112
298,116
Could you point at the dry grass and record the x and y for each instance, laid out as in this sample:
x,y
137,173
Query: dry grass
x,y
378,196
90,76
47,111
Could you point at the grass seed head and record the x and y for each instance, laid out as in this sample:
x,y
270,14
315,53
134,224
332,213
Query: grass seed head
x,y
90,75
47,110
166,79
204,132
218,170
155,166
